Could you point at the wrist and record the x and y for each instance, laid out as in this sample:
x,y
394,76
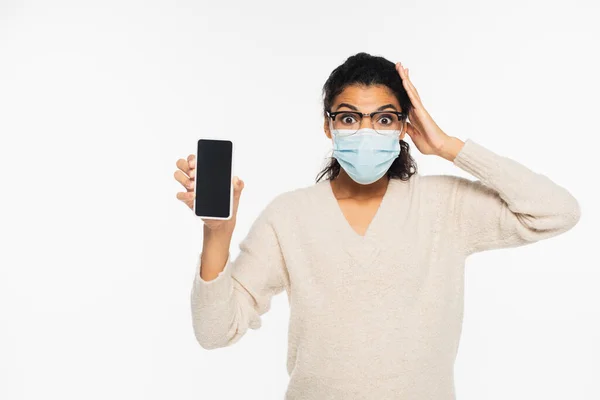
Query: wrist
x,y
220,233
450,148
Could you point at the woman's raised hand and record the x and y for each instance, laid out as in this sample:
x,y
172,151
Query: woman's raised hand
x,y
186,173
422,129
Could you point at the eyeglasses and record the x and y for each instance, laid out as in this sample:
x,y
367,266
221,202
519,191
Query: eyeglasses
x,y
383,122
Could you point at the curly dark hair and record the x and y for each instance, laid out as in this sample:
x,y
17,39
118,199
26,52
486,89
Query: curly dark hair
x,y
366,69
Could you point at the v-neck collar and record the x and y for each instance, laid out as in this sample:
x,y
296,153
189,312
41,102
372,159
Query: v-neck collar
x,y
345,226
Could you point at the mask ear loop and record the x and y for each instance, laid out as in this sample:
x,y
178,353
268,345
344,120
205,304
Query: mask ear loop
x,y
334,132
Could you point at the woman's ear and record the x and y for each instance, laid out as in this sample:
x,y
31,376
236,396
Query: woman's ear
x,y
404,130
326,128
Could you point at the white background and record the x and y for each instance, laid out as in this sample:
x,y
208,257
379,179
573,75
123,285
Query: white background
x,y
98,100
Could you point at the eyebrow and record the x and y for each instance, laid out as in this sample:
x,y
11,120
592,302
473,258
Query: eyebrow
x,y
350,106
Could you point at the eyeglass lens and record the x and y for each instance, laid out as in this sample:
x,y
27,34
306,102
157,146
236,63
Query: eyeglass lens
x,y
382,122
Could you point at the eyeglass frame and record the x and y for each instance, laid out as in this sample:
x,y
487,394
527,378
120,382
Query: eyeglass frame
x,y
401,116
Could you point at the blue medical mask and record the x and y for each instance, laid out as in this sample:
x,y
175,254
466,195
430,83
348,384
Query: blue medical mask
x,y
365,155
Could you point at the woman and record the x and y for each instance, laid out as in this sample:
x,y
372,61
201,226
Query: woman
x,y
371,257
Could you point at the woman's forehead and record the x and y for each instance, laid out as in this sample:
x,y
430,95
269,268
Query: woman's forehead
x,y
366,97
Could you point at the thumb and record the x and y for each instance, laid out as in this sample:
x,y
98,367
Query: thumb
x,y
411,130
238,186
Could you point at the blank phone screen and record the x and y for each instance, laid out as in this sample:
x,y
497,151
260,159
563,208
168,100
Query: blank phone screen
x,y
213,178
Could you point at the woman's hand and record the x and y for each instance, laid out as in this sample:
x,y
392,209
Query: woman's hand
x,y
185,174
422,129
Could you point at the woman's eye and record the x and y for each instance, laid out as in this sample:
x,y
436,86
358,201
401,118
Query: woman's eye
x,y
348,119
385,120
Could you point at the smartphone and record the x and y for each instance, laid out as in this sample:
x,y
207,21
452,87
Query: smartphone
x,y
213,182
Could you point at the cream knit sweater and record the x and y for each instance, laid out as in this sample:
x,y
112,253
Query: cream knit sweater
x,y
378,316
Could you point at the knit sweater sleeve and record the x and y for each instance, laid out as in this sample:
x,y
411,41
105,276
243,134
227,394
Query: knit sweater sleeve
x,y
225,307
509,205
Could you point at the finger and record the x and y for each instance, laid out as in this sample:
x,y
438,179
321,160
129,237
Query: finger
x,y
192,160
238,186
408,86
185,181
411,130
183,165
186,197
412,93
404,74
412,86
406,81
